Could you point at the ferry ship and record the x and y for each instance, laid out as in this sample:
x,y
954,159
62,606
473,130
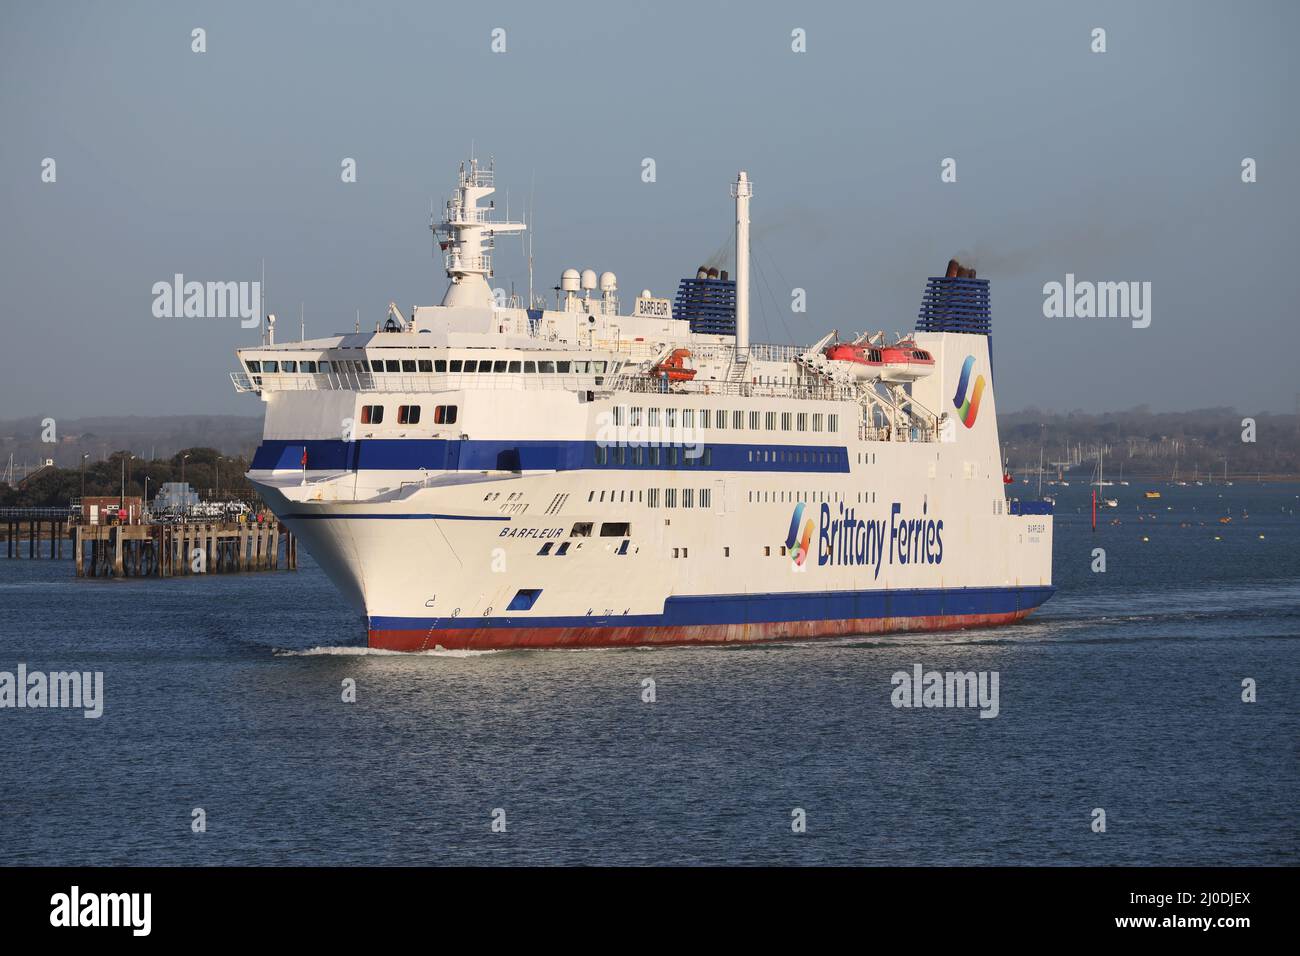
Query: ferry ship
x,y
493,473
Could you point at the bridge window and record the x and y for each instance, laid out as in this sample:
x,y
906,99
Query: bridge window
x,y
254,366
530,368
426,365
563,367
269,366
515,367
408,365
440,365
290,366
500,366
546,368
613,529
392,365
456,365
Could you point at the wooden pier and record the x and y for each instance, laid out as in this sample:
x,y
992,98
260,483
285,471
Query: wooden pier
x,y
159,550
169,550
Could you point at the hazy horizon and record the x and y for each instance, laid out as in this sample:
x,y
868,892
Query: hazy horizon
x,y
1115,166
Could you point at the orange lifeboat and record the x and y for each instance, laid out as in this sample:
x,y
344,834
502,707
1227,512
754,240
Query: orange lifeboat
x,y
863,360
674,368
905,362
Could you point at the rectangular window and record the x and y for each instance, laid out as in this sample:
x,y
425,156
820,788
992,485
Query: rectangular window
x,y
634,417
754,421
392,365
498,366
652,498
401,413
688,497
515,367
704,418
408,365
563,367
802,422
737,419
688,418
530,368
817,422
720,418
614,529
376,365
289,366
670,497
619,414
581,529
769,421
254,366
308,366
601,455
440,366
547,368
785,421
654,456
426,365
670,418
365,414
324,366
706,497
653,418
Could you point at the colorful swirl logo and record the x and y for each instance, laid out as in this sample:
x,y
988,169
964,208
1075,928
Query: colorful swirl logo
x,y
968,409
799,554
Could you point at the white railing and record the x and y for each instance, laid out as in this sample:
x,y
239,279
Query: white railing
x,y
399,382
642,384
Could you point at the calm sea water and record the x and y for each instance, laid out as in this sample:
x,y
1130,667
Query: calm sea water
x,y
1123,693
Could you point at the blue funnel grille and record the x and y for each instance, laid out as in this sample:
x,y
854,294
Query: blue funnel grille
x,y
955,305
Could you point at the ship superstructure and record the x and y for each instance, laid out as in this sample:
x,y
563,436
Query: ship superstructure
x,y
492,473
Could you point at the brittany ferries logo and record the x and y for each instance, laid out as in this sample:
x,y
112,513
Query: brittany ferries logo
x,y
794,537
845,539
968,407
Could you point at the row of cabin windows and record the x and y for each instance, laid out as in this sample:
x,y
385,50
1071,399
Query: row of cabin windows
x,y
635,416
408,414
651,497
652,455
782,497
434,366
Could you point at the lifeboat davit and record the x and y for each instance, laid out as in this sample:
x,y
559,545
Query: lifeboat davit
x,y
674,368
862,362
905,362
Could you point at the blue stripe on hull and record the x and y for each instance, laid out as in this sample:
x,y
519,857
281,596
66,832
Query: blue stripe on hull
x,y
436,454
687,611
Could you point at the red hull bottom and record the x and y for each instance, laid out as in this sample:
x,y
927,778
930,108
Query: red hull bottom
x,y
499,638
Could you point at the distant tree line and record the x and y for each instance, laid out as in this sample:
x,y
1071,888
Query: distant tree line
x,y
213,475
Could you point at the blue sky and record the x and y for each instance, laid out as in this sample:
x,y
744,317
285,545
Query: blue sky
x,y
1114,166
